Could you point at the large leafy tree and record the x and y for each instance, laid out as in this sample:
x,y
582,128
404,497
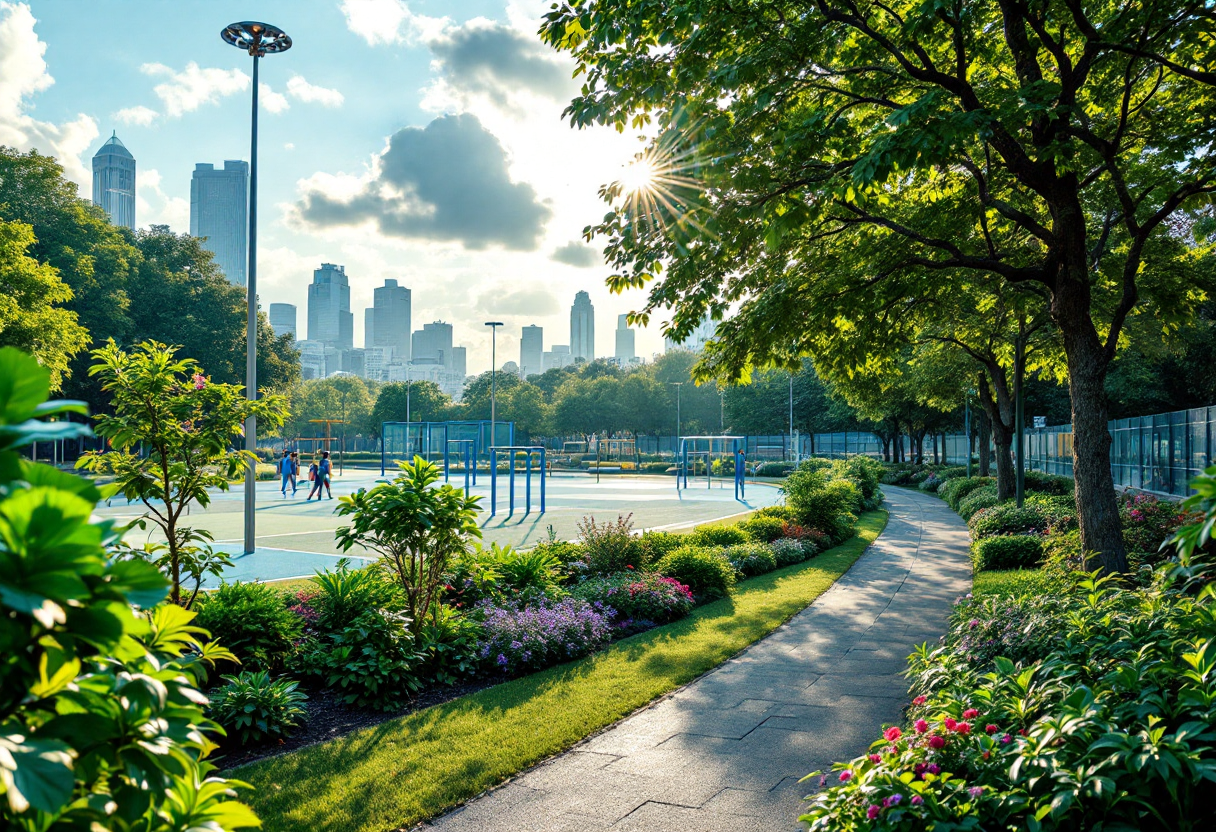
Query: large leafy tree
x,y
426,403
807,151
32,316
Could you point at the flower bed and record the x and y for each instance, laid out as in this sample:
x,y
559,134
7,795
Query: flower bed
x,y
530,638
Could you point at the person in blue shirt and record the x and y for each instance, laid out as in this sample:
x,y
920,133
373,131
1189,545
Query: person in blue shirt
x,y
285,470
324,472
295,471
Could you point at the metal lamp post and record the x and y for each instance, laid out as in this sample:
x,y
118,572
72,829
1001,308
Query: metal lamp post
x,y
493,325
258,39
407,394
677,385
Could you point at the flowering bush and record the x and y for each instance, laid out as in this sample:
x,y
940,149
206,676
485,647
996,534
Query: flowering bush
x,y
517,639
751,559
705,571
1147,521
812,540
980,498
788,551
1023,629
637,598
610,546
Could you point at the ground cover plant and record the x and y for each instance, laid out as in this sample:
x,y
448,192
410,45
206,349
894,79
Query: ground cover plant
x,y
451,752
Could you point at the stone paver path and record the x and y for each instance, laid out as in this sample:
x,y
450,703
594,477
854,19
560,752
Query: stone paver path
x,y
726,752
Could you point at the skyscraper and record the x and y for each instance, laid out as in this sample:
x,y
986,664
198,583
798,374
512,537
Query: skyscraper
x,y
391,319
219,205
283,319
531,351
114,182
459,363
329,317
696,340
558,356
369,328
432,344
625,348
582,327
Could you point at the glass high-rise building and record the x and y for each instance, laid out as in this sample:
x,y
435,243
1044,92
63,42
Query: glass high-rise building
x,y
582,327
531,351
283,319
219,213
626,350
114,182
390,319
330,320
432,344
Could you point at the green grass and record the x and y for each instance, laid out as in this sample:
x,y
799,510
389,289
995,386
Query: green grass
x,y
413,768
1014,582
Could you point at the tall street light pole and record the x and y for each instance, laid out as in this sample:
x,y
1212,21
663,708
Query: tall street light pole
x,y
677,385
493,325
407,394
259,40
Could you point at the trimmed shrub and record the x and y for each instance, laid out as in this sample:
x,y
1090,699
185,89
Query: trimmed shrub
x,y
1049,483
930,484
821,504
788,551
717,536
705,571
980,498
530,638
751,559
951,472
763,529
372,663
774,469
253,621
253,708
864,473
639,600
1015,551
657,544
954,490
1007,518
780,512
657,468
610,546
1061,512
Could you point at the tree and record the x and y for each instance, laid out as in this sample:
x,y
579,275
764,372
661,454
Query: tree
x,y
427,403
186,425
416,527
808,152
104,722
336,397
31,315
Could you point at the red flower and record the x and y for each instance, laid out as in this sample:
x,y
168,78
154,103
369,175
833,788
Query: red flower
x,y
963,728
970,713
846,776
875,758
920,700
950,723
991,729
892,733
937,741
921,726
1022,732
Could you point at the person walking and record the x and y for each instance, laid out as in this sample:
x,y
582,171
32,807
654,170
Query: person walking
x,y
295,471
324,472
284,470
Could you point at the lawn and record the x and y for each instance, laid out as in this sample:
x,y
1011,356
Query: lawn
x,y
1014,582
410,769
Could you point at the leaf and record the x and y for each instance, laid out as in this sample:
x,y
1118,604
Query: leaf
x,y
36,773
24,385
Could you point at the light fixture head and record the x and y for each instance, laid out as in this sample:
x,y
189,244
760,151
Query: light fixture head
x,y
258,39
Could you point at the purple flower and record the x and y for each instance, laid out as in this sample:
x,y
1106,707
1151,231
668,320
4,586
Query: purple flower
x,y
893,800
917,800
975,791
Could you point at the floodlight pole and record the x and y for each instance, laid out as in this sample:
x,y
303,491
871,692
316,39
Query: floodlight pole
x,y
677,385
407,396
258,39
493,325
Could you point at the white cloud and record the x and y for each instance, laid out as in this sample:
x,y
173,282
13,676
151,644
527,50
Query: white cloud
x,y
390,21
141,115
23,74
160,209
301,90
274,102
289,146
194,86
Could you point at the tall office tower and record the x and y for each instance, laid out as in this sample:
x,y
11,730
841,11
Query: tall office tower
x,y
283,319
432,344
391,319
582,327
369,328
626,351
219,206
329,317
114,182
531,351
558,356
459,363
696,340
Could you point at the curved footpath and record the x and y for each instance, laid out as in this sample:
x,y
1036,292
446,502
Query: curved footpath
x,y
726,752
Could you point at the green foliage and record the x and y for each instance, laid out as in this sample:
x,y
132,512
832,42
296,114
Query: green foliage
x,y
956,489
780,512
610,546
865,473
705,571
1048,483
415,528
1007,518
751,559
563,550
640,597
171,437
820,503
372,663
656,544
980,498
345,594
717,536
502,573
1014,551
1198,536
774,469
763,529
99,701
253,708
253,622
448,642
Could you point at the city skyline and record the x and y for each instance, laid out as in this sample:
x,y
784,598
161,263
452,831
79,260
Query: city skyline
x,y
502,234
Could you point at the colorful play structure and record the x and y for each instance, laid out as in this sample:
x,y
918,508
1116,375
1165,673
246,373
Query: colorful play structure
x,y
707,449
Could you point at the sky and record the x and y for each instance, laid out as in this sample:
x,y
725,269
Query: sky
x,y
418,140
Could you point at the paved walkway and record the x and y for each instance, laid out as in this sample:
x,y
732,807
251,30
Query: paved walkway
x,y
726,752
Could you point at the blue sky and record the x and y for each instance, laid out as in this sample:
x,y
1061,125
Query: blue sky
x,y
416,140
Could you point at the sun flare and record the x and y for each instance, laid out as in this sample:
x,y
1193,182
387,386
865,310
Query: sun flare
x,y
639,175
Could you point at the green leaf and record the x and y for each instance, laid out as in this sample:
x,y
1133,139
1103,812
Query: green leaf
x,y
36,773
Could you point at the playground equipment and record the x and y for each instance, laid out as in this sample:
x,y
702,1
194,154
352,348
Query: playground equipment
x,y
324,443
432,440
513,451
467,450
707,448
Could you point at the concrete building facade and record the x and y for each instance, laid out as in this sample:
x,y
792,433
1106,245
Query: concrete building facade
x,y
626,344
390,319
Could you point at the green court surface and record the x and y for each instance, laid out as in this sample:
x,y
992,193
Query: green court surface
x,y
296,538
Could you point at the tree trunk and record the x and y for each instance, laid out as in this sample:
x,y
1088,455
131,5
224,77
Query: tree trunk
x,y
1097,505
999,409
985,439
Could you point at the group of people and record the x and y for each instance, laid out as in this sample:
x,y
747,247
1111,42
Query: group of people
x,y
320,472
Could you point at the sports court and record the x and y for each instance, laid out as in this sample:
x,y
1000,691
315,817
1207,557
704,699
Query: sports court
x,y
295,538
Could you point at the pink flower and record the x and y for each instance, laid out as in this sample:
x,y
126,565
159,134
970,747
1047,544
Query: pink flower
x,y
973,623
919,769
963,728
199,381
936,741
970,713
1005,740
875,758
991,729
873,812
892,733
933,768
920,700
917,800
921,726
846,776
950,722
975,791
